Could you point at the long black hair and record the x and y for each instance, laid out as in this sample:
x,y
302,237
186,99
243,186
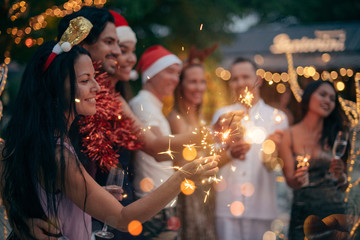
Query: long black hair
x,y
39,120
332,123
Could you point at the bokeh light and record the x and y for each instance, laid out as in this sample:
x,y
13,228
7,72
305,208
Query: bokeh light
x,y
276,77
269,235
325,57
260,72
146,184
187,187
280,88
258,59
218,71
255,135
225,75
135,228
189,153
300,70
349,72
277,226
269,146
340,86
316,76
342,72
334,75
247,189
173,223
237,208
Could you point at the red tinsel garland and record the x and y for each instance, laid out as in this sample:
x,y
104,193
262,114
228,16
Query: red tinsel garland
x,y
107,130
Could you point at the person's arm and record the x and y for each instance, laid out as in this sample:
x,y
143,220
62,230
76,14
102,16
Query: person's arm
x,y
294,178
103,206
155,142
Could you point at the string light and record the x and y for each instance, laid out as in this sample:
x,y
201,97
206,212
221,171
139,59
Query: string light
x,y
38,22
294,85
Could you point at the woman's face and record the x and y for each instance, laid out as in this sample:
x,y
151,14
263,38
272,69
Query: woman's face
x,y
126,61
86,86
322,101
193,85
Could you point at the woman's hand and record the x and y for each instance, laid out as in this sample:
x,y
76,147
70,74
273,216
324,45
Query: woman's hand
x,y
201,168
115,191
337,167
301,176
43,230
239,148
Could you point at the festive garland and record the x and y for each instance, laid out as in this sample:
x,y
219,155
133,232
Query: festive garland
x,y
109,129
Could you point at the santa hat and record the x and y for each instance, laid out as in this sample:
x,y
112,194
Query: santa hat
x,y
155,59
123,31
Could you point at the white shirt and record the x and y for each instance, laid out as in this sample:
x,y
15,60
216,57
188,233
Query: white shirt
x,y
263,120
148,109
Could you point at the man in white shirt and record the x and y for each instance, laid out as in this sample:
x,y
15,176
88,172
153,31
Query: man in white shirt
x,y
247,206
160,71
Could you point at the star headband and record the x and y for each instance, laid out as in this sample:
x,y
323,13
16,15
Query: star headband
x,y
78,29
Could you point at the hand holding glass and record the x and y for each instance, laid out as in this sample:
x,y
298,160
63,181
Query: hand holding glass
x,y
114,186
340,144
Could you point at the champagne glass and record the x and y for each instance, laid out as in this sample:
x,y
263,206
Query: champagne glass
x,y
113,185
340,143
339,147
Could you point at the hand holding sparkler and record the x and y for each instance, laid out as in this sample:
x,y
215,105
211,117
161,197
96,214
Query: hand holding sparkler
x,y
228,125
301,173
201,168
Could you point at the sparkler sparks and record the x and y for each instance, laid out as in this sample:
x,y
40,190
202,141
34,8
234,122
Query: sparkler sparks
x,y
169,152
207,194
303,161
247,98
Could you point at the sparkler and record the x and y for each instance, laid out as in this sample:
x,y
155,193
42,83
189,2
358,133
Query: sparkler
x,y
247,98
303,161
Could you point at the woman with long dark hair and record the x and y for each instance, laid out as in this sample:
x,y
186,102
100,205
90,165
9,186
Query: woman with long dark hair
x,y
41,174
317,187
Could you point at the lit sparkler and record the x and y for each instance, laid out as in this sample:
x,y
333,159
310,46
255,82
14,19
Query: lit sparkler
x,y
247,98
303,161
207,194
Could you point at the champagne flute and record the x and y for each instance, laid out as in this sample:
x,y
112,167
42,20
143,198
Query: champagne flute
x,y
340,143
339,147
113,185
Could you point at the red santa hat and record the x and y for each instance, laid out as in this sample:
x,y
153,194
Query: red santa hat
x,y
123,31
155,59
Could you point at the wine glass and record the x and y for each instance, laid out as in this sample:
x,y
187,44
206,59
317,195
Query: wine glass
x,y
113,185
339,147
340,143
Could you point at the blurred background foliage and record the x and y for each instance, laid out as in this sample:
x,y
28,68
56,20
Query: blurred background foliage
x,y
174,23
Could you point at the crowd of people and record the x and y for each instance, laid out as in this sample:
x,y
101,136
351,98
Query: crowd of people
x,y
72,123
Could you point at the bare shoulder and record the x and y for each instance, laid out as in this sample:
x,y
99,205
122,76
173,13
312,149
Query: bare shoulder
x,y
172,116
177,123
